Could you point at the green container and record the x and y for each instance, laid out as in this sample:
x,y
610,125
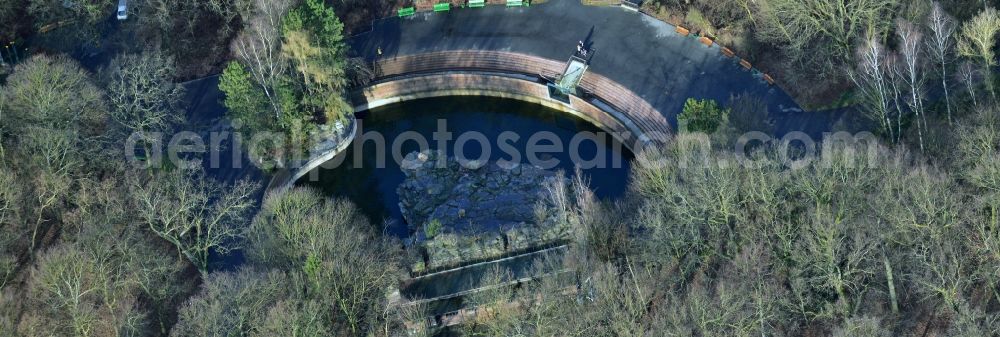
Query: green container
x,y
477,3
442,7
406,11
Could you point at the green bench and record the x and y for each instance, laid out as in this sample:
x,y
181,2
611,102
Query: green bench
x,y
408,11
477,3
516,3
442,7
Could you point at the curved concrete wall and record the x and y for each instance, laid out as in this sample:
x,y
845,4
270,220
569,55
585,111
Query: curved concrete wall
x,y
286,178
632,107
496,85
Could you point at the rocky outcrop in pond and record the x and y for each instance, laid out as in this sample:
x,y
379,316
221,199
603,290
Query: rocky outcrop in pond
x,y
477,210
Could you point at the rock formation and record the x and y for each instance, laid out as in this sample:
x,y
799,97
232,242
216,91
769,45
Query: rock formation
x,y
460,212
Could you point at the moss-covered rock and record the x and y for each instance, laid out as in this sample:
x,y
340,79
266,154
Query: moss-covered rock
x,y
460,212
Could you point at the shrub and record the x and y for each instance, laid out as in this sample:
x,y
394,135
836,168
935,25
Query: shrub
x,y
698,21
702,116
432,228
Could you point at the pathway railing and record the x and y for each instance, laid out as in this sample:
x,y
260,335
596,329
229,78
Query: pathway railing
x,y
284,179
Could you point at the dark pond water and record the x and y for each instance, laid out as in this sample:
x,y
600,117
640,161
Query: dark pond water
x,y
358,175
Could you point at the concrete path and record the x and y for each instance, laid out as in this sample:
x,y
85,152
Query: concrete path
x,y
635,50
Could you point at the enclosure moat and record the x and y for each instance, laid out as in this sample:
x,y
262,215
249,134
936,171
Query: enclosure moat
x,y
491,130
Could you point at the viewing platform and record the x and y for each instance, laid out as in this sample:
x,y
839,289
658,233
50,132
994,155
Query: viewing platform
x,y
639,56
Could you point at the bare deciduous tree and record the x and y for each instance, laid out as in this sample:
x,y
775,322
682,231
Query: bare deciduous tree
x,y
967,73
943,273
54,154
911,72
979,165
197,215
84,292
837,24
558,194
230,10
294,318
142,94
977,40
874,83
52,92
331,242
970,321
940,43
232,303
66,279
862,327
12,227
259,47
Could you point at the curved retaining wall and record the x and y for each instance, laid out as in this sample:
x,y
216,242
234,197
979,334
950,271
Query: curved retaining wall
x,y
286,178
631,106
496,85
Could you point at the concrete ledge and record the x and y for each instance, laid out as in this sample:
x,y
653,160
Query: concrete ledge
x,y
496,85
631,106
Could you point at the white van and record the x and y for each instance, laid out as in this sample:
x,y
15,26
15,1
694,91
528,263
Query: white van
x,y
122,10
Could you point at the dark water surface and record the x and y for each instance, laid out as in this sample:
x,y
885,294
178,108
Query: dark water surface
x,y
356,175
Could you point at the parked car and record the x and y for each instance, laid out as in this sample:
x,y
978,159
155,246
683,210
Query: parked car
x,y
122,10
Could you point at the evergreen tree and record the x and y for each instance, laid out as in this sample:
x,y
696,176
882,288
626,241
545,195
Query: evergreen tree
x,y
244,99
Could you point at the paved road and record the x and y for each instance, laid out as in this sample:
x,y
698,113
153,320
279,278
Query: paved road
x,y
206,116
641,53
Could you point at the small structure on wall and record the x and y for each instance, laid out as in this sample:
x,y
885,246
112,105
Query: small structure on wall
x,y
571,76
632,5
